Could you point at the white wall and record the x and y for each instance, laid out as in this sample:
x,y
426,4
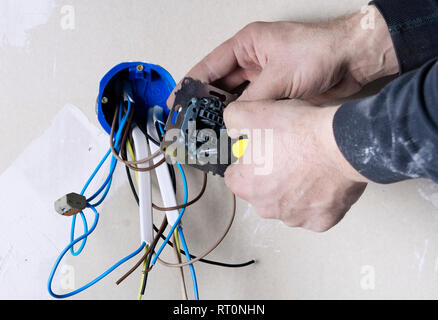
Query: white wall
x,y
51,141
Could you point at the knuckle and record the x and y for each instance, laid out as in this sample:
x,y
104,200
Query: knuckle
x,y
292,223
236,114
266,213
228,113
319,228
231,179
321,223
237,184
255,25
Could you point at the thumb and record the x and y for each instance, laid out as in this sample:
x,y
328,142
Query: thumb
x,y
240,117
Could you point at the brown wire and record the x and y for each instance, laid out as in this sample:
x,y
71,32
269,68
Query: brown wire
x,y
129,163
207,252
145,255
204,186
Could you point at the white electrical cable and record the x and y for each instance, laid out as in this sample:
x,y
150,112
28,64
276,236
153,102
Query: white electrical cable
x,y
144,187
163,177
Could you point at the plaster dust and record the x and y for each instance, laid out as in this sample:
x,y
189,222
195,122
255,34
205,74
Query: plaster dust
x,y
49,80
32,233
17,17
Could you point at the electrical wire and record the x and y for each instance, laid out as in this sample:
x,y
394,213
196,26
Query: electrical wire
x,y
190,262
145,267
181,234
150,249
208,251
168,236
142,276
181,213
117,146
181,270
146,262
185,205
211,262
95,280
191,266
106,184
126,162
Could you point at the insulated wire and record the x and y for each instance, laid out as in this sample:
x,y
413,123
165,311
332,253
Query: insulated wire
x,y
87,232
126,162
97,279
183,241
143,275
181,270
146,262
191,266
157,237
215,263
154,260
190,262
131,153
159,234
106,183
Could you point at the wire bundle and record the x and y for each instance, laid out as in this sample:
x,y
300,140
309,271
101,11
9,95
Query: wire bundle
x,y
120,145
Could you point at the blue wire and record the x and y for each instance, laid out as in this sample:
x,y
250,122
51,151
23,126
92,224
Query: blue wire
x,y
106,185
183,241
154,260
181,213
72,233
175,225
97,279
192,268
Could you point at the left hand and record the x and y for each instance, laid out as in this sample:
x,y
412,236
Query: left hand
x,y
308,183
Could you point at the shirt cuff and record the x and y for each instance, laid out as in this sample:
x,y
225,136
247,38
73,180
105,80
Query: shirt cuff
x,y
413,25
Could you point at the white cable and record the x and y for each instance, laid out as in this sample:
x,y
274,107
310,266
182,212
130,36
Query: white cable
x,y
163,177
144,187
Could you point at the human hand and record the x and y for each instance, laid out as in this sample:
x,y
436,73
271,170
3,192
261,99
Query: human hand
x,y
317,61
309,183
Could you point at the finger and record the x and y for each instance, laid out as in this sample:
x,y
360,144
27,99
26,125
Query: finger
x,y
216,65
268,85
236,78
236,179
171,97
241,116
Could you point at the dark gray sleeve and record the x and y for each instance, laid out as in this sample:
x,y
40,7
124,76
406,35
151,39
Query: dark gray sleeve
x,y
413,25
393,136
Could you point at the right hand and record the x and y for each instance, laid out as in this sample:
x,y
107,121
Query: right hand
x,y
318,62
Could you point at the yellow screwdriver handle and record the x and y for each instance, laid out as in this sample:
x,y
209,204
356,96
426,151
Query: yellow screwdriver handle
x,y
239,147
